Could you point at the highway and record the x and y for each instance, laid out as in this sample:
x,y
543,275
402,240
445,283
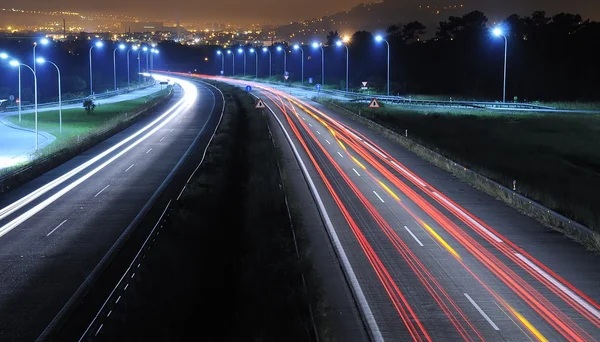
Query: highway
x,y
57,230
429,258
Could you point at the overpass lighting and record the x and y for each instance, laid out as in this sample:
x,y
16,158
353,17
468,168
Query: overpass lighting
x,y
3,55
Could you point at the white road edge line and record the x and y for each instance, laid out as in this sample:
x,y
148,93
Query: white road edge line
x,y
99,192
487,318
376,194
414,236
358,174
53,230
560,286
129,168
405,171
346,266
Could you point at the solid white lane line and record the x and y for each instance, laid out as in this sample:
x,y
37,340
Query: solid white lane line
x,y
328,141
376,150
358,174
52,231
560,286
161,139
318,132
413,235
99,192
381,199
340,154
409,174
482,228
487,318
129,168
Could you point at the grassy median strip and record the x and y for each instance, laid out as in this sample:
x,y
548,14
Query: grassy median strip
x,y
555,158
225,268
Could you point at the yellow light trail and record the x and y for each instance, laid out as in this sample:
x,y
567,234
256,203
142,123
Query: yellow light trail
x,y
441,240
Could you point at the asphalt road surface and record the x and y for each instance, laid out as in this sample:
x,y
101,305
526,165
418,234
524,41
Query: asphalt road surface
x,y
429,257
55,230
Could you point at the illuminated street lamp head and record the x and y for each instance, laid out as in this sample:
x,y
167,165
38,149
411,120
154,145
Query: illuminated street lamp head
x,y
155,51
296,47
145,48
229,52
122,46
40,60
265,49
3,55
135,47
219,52
339,43
498,32
240,50
14,63
378,38
279,48
315,45
44,41
251,50
99,44
345,39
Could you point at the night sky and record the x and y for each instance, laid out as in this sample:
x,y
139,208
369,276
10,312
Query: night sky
x,y
281,11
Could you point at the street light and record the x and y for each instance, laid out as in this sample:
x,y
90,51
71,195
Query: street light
x,y
5,56
498,32
134,48
222,61
298,47
153,51
41,61
265,49
379,39
279,48
43,41
232,62
120,47
98,44
316,45
240,50
256,58
340,43
16,63
146,51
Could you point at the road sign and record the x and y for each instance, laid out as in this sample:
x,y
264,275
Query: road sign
x,y
248,88
310,80
260,104
374,103
164,82
318,86
364,84
286,77
12,97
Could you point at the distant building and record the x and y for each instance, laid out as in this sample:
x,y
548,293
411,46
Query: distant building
x,y
142,27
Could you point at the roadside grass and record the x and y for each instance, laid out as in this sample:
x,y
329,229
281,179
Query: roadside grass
x,y
225,267
555,158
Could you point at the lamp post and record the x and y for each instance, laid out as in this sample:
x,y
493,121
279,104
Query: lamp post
x,y
379,39
222,62
498,32
98,44
120,47
134,48
146,50
140,65
280,48
298,47
340,43
232,63
240,50
316,45
41,61
43,41
5,56
256,58
265,49
153,51
16,63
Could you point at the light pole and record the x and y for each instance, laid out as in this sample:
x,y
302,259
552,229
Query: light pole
x,y
120,47
140,65
134,48
380,39
5,56
340,43
98,44
265,49
279,48
153,52
256,58
41,61
43,41
240,50
16,63
222,62
498,32
316,45
232,62
298,47
146,50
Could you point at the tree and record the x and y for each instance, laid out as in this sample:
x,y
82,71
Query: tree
x,y
332,37
73,83
413,31
89,106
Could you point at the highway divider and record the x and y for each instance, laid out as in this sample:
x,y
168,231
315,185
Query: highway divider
x,y
546,216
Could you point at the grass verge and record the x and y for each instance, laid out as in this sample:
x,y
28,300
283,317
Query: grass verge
x,y
226,268
555,159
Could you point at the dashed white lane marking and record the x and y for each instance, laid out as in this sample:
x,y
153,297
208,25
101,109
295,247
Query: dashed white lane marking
x,y
414,236
149,151
376,194
340,154
99,192
319,133
328,141
487,318
171,130
560,286
358,174
161,139
310,124
129,168
53,230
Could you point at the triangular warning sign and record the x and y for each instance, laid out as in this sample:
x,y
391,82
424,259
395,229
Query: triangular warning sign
x,y
374,103
286,77
260,104
364,84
